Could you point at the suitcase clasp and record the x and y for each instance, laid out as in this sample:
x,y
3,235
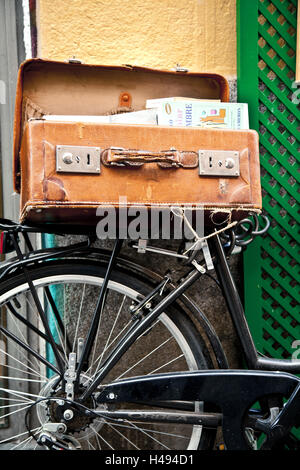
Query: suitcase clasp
x,y
219,163
77,159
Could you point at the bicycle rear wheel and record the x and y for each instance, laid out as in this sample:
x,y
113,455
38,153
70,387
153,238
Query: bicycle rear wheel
x,y
28,375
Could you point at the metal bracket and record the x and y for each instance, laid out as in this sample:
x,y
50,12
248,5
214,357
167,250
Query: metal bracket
x,y
219,163
142,246
53,441
198,266
80,344
70,376
146,302
74,60
201,245
179,68
59,428
207,255
77,159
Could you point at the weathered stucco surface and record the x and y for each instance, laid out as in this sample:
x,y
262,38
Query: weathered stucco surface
x,y
197,34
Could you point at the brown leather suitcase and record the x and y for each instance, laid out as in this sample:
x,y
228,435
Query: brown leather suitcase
x,y
146,165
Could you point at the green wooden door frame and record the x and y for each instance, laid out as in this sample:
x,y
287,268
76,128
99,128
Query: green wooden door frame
x,y
247,87
266,59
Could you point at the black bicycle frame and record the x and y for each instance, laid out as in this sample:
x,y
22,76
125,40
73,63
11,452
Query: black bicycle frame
x,y
253,384
236,311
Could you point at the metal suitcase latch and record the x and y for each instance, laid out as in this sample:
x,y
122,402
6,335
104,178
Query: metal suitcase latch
x,y
219,163
77,159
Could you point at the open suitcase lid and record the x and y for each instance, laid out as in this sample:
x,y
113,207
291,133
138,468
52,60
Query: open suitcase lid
x,y
72,88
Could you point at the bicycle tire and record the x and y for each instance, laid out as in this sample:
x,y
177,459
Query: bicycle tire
x,y
184,342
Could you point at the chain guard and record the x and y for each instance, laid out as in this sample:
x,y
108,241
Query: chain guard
x,y
233,391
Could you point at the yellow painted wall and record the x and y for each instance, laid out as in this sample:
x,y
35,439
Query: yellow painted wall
x,y
197,34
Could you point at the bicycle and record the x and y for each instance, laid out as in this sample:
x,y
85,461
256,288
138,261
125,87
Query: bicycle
x,y
100,353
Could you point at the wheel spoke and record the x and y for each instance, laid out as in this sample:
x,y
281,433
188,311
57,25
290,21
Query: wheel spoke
x,y
27,348
25,342
34,311
177,436
122,435
20,379
147,434
98,441
15,411
102,438
98,360
22,443
14,399
21,434
34,372
144,357
90,445
166,364
19,392
98,332
112,329
14,405
116,337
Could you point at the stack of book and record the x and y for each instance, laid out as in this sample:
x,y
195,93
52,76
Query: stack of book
x,y
177,111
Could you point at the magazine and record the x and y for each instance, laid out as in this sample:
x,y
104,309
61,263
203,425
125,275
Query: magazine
x,y
204,114
147,116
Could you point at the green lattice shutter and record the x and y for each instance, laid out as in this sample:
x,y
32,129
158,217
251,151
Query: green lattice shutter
x,y
266,69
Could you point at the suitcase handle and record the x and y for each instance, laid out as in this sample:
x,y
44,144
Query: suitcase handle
x,y
118,156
